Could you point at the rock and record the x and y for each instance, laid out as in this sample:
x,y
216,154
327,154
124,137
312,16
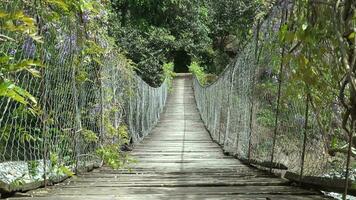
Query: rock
x,y
125,147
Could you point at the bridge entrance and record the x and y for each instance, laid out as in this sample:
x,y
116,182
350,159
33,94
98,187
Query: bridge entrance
x,y
181,61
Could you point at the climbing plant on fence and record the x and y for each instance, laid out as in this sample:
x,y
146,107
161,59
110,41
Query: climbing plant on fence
x,y
291,95
68,98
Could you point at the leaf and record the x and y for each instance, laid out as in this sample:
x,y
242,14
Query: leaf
x,y
28,20
289,36
66,171
282,32
89,136
36,38
334,142
3,14
18,14
351,36
27,137
5,59
54,159
23,65
59,3
9,89
304,26
26,94
4,38
98,61
34,72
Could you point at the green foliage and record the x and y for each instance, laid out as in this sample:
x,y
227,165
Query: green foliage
x,y
220,60
232,18
17,182
20,25
123,134
18,22
198,71
111,155
33,167
148,49
9,89
152,32
315,59
89,136
53,39
266,117
65,170
58,166
168,71
54,159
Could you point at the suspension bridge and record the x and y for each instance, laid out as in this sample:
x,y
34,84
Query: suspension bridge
x,y
177,160
253,133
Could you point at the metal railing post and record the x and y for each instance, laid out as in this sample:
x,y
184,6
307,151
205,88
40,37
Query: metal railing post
x,y
256,55
280,81
306,119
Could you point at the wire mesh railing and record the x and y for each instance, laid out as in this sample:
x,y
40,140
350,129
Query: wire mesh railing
x,y
83,103
253,112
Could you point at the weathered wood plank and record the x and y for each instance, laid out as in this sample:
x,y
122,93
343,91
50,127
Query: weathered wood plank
x,y
222,190
179,197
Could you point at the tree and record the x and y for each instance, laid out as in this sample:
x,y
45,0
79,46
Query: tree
x,y
321,37
154,32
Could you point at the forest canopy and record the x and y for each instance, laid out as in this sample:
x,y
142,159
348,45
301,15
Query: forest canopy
x,y
154,32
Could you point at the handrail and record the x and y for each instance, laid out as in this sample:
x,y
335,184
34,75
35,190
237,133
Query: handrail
x,y
249,112
83,106
156,98
218,79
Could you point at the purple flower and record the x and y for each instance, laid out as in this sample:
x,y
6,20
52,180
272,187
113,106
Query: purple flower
x,y
29,48
85,17
12,52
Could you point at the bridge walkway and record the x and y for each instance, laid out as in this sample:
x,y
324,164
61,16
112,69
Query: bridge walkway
x,y
178,160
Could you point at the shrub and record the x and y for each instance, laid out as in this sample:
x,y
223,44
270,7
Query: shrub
x,y
168,70
198,71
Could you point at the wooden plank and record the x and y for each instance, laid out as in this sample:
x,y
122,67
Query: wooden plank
x,y
178,197
221,190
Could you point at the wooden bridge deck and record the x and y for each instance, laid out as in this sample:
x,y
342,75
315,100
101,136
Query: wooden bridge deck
x,y
177,161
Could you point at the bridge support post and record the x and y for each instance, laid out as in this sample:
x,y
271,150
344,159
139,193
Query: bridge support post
x,y
253,83
77,122
306,118
280,81
44,119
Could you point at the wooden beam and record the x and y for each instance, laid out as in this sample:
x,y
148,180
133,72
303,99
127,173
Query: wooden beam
x,y
322,183
6,188
267,164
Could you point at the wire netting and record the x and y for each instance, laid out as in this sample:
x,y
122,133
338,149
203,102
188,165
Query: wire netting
x,y
252,110
81,104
